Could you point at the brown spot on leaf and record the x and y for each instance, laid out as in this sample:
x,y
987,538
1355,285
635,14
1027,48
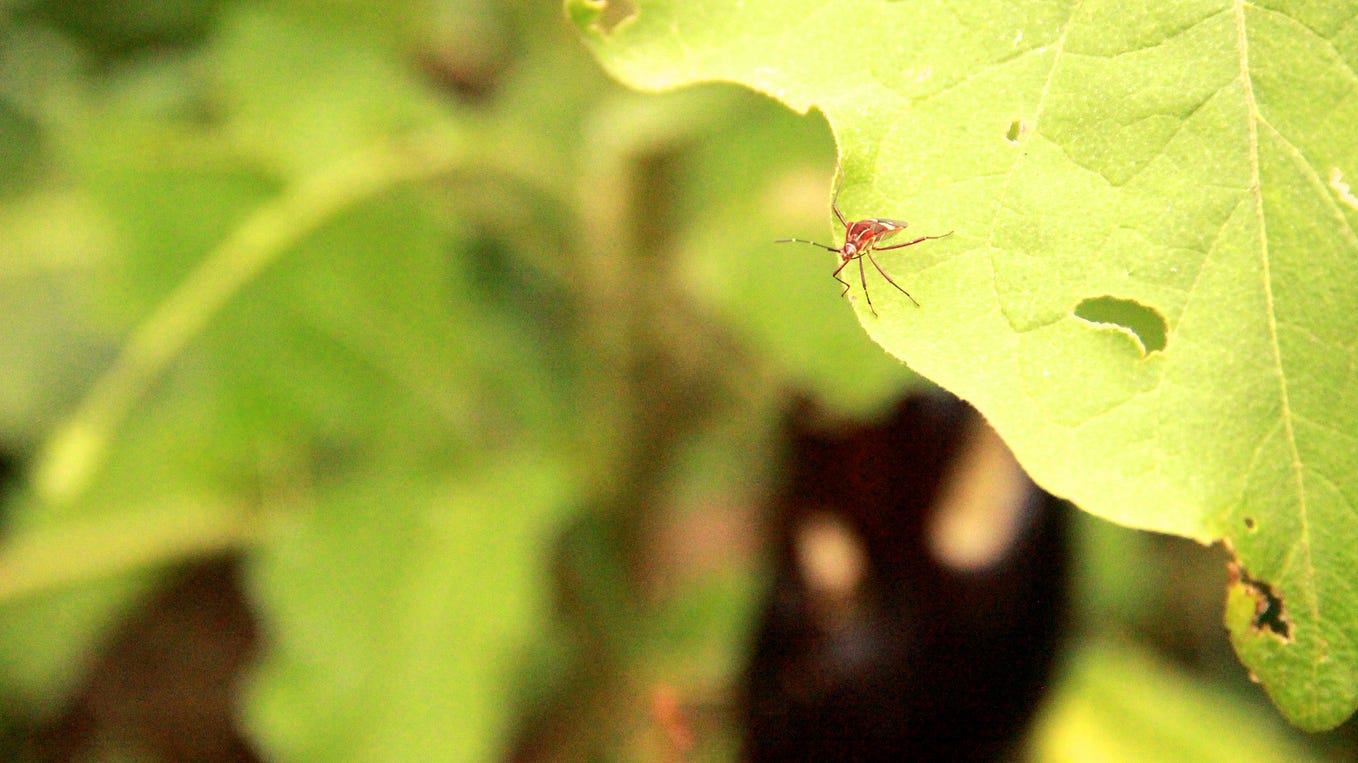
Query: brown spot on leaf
x,y
1270,612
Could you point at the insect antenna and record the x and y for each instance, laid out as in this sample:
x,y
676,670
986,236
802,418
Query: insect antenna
x,y
804,241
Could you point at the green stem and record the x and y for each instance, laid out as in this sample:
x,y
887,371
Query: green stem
x,y
69,553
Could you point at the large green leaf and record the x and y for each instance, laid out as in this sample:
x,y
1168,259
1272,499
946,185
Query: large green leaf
x,y
1151,288
396,610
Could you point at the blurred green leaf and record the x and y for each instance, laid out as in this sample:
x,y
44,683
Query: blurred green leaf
x,y
162,248
1189,162
302,325
47,642
19,154
396,607
344,86
1119,703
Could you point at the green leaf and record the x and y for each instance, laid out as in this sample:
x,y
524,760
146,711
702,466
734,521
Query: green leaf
x,y
362,361
1151,287
394,611
1117,702
344,89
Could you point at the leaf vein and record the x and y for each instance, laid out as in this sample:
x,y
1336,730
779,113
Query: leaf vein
x,y
1001,197
1254,119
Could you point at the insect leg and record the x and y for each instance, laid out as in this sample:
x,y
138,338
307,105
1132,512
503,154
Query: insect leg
x,y
888,279
835,275
864,278
912,243
834,204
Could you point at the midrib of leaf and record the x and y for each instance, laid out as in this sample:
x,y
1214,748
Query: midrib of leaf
x,y
1256,191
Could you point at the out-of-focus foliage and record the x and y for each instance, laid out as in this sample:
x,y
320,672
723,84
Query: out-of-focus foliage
x,y
368,295
455,344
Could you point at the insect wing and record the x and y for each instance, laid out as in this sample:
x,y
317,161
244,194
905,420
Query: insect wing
x,y
864,233
882,226
887,222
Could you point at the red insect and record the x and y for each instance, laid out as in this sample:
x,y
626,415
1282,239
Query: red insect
x,y
860,240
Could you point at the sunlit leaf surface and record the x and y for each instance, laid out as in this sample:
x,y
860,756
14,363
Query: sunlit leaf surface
x,y
1151,288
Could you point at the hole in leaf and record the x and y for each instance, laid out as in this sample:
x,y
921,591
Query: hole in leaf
x,y
605,16
1270,613
1144,323
1015,130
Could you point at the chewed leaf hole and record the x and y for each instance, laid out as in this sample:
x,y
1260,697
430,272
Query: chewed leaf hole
x,y
1270,614
1145,323
604,16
